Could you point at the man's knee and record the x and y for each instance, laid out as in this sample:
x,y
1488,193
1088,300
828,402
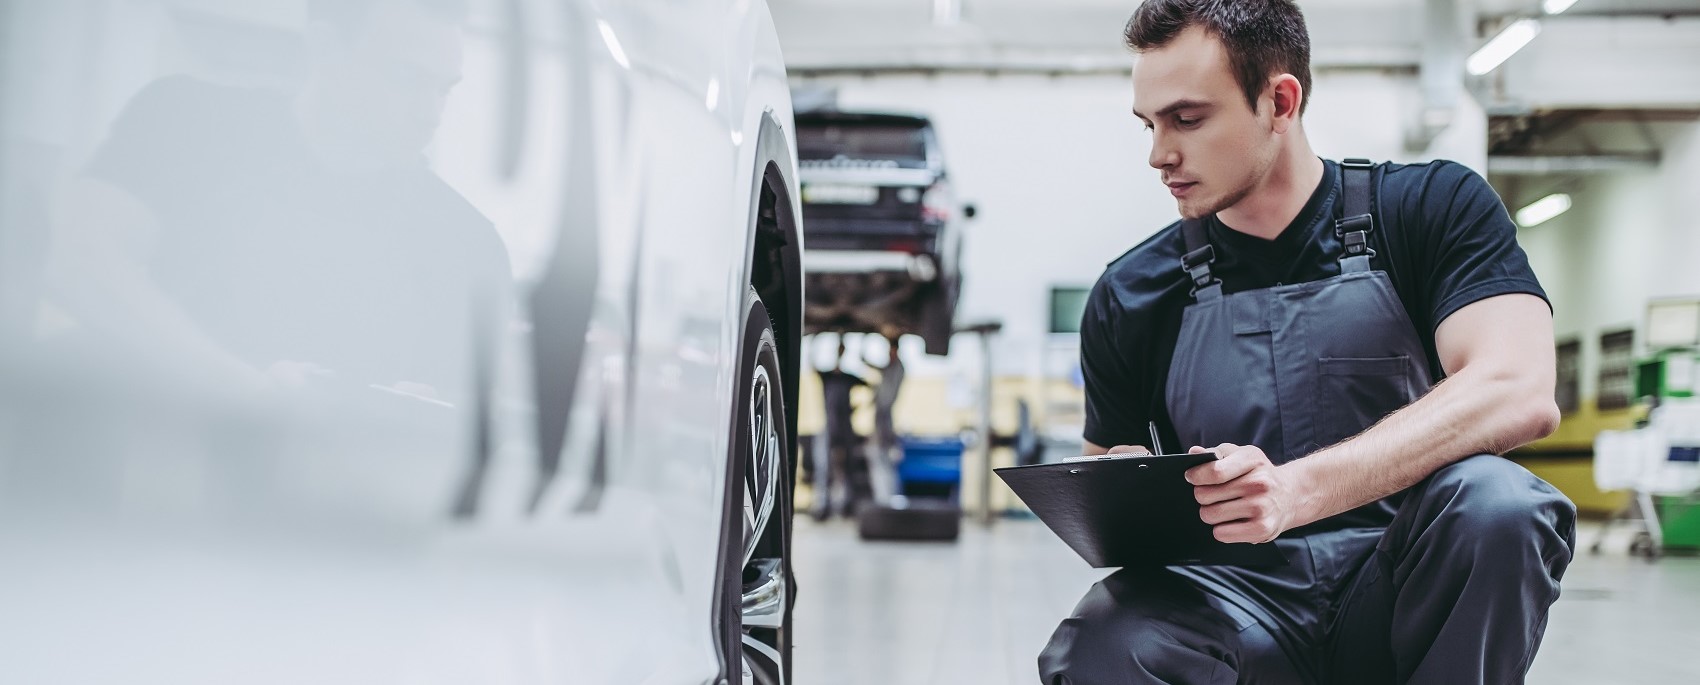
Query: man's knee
x,y
1162,632
1490,505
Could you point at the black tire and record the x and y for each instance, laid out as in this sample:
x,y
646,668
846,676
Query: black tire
x,y
755,550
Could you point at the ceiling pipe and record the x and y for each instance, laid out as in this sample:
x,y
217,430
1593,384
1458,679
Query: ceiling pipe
x,y
1538,165
1439,69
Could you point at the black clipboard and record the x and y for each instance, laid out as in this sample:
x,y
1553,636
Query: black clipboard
x,y
1130,510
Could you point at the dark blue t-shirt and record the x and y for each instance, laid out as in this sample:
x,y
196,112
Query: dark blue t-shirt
x,y
1441,234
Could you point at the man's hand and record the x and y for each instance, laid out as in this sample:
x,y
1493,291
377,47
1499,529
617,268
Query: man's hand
x,y
1243,495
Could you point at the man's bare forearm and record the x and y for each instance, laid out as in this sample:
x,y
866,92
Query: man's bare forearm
x,y
1468,414
1499,397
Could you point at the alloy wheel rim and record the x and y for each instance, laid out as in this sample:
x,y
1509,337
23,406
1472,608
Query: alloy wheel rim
x,y
764,597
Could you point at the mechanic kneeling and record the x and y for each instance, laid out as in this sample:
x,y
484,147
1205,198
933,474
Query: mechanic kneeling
x,y
1299,318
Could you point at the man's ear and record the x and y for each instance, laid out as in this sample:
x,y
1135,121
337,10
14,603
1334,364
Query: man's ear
x,y
1288,98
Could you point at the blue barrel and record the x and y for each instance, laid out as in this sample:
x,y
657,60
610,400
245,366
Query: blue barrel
x,y
931,460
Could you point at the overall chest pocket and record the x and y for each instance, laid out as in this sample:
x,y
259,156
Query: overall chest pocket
x,y
1355,392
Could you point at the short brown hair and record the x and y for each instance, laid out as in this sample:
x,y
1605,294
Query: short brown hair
x,y
1263,37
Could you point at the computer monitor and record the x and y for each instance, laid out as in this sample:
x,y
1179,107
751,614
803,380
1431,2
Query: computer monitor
x,y
1068,303
1673,323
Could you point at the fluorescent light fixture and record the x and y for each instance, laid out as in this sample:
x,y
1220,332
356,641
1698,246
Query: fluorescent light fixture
x,y
1503,46
1539,211
947,12
1556,6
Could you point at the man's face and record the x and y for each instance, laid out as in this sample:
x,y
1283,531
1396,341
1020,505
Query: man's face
x,y
1211,148
389,79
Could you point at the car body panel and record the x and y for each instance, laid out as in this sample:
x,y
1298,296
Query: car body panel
x,y
166,520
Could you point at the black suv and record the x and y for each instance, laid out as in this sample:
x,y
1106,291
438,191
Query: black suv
x,y
882,230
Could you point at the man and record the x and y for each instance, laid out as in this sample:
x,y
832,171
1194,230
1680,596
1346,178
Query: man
x,y
253,237
1318,306
884,447
834,477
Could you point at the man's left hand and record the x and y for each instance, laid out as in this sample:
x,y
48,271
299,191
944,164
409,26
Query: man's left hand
x,y
1243,495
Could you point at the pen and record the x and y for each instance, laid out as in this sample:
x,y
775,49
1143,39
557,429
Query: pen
x,y
1156,444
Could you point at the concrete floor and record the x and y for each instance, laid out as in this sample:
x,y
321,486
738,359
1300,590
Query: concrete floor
x,y
978,612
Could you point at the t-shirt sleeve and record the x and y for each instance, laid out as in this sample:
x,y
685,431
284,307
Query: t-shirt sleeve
x,y
1114,415
1471,241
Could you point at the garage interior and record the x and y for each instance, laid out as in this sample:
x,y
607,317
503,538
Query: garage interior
x,y
1598,113
740,342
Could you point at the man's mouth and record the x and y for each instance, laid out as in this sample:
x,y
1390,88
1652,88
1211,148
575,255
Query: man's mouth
x,y
1179,188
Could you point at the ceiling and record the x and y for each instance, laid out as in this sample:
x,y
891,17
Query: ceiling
x,y
1345,33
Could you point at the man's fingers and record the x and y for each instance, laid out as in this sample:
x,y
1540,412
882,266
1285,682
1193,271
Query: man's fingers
x,y
1221,450
1231,510
1244,531
1230,464
1211,494
1129,449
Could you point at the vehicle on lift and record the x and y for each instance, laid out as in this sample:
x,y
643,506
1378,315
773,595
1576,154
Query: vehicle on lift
x,y
425,341
884,230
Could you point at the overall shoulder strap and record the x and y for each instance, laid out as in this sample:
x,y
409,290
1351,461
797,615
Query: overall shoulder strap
x,y
1197,260
1356,221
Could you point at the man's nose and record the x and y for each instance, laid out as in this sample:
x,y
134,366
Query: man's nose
x,y
1162,156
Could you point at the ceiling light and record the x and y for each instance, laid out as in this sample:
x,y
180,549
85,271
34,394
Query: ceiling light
x,y
1503,46
947,12
1539,211
1556,6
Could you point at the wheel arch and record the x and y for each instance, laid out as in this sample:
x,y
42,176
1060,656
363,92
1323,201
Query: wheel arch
x,y
774,265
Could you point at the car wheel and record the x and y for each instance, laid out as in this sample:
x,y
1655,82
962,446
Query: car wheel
x,y
753,606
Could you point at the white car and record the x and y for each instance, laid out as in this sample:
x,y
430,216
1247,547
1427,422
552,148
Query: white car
x,y
396,341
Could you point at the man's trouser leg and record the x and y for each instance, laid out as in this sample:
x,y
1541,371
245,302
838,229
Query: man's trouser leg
x,y
821,456
1455,590
1458,589
1141,626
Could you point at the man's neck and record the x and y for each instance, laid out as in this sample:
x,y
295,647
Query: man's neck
x,y
1279,198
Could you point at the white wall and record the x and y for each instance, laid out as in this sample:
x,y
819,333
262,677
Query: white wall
x,y
1628,237
1058,168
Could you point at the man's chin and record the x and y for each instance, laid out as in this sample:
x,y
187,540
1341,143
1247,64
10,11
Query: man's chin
x,y
1200,207
1193,210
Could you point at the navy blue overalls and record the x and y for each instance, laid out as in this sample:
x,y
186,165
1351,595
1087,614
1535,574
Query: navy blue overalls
x,y
1447,582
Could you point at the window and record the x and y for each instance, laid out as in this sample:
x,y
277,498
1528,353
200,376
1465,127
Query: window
x,y
862,141
1569,392
1616,358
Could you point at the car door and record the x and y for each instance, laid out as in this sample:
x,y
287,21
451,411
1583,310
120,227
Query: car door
x,y
458,520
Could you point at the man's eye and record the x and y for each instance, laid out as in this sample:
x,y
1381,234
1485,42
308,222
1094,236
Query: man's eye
x,y
1188,123
1146,125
